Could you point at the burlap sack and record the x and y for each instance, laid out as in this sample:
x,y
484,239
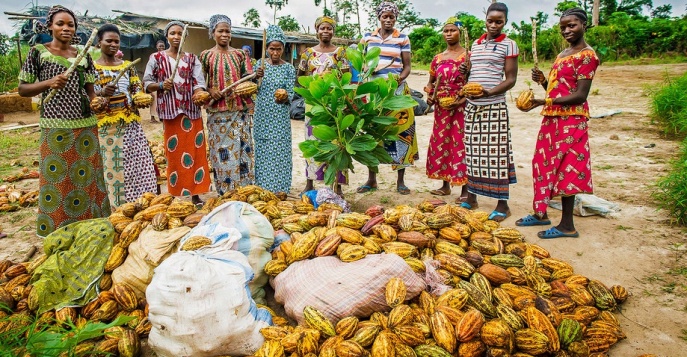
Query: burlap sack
x,y
341,289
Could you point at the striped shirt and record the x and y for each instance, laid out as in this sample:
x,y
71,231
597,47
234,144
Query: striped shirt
x,y
392,47
488,59
189,76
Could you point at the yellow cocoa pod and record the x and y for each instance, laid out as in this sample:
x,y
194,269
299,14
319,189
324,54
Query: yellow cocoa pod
x,y
316,319
181,209
125,297
352,253
116,258
196,242
395,292
383,345
443,331
346,327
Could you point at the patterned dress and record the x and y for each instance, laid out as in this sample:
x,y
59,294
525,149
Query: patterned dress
x,y
488,147
562,165
446,151
72,185
272,132
312,63
128,161
188,172
403,151
229,120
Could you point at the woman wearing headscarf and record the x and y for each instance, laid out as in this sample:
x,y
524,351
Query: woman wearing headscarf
x,y
272,132
159,46
446,150
321,59
394,60
249,51
72,185
229,117
178,104
128,161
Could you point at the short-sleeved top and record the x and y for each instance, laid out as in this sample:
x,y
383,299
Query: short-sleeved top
x,y
188,78
488,61
70,107
127,86
315,62
390,58
563,80
223,69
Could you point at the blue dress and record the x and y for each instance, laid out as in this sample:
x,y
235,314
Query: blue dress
x,y
272,129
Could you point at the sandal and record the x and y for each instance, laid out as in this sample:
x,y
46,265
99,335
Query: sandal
x,y
531,220
554,232
402,189
366,188
468,206
439,192
497,216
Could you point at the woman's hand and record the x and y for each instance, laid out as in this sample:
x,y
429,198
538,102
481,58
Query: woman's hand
x,y
535,103
485,93
215,94
464,69
538,75
260,72
167,85
59,81
458,102
108,90
430,101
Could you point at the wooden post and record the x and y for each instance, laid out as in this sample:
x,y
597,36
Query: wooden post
x,y
595,13
264,58
21,62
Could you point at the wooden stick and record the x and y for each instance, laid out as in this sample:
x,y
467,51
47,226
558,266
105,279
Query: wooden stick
x,y
120,74
29,254
227,89
434,94
534,43
180,53
76,63
264,49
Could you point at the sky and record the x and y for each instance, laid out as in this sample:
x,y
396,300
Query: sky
x,y
303,10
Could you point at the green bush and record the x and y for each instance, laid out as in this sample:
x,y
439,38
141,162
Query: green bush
x,y
671,190
9,68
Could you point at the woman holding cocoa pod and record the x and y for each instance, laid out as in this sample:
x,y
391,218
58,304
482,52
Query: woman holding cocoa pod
x,y
446,151
72,185
229,117
561,165
129,166
272,132
492,71
178,105
315,60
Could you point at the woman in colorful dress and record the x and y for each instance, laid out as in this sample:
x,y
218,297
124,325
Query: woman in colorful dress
x,y
395,61
321,59
72,185
128,161
273,162
562,165
230,117
446,151
488,149
159,46
178,105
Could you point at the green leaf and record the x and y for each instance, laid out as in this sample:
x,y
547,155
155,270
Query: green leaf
x,y
384,120
318,88
399,102
346,78
324,132
363,143
347,121
349,149
305,81
373,53
366,88
304,93
326,147
355,57
308,148
383,88
372,64
330,175
359,126
366,158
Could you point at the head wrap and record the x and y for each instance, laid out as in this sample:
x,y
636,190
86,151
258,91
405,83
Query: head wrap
x,y
247,48
216,20
39,27
387,6
453,21
173,23
275,33
324,19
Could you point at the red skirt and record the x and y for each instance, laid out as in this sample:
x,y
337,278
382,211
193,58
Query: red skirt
x,y
446,151
561,165
188,172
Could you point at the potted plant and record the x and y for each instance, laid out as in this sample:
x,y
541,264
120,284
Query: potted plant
x,y
351,121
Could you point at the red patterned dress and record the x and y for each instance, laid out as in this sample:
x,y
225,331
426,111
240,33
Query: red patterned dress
x,y
446,151
561,165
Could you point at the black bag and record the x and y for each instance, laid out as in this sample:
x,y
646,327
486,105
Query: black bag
x,y
297,110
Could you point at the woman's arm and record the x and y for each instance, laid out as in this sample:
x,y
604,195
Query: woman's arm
x,y
511,70
405,59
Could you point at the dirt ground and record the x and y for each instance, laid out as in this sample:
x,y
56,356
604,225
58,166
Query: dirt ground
x,y
639,248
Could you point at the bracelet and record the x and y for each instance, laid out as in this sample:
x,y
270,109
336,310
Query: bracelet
x,y
548,102
161,85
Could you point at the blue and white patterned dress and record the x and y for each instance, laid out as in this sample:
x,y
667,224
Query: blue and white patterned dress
x,y
272,129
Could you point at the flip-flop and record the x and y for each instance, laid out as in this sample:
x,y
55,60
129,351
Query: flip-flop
x,y
531,220
365,188
497,216
554,232
439,193
402,189
469,206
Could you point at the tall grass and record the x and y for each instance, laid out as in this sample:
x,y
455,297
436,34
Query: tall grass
x,y
669,109
9,69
